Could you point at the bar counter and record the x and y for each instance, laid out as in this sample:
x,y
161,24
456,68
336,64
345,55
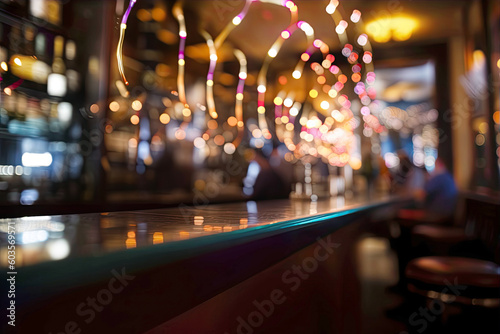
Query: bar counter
x,y
170,261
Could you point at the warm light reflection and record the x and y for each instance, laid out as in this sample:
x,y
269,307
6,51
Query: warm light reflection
x,y
131,241
157,238
198,220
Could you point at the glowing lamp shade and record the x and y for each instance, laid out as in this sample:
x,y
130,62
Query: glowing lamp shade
x,y
398,28
57,84
403,28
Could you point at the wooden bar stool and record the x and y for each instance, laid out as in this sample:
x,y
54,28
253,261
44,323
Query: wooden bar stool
x,y
455,279
460,280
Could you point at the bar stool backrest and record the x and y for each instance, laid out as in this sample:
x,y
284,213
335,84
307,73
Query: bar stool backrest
x,y
483,222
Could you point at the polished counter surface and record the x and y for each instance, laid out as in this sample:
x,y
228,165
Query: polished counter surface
x,y
42,239
175,259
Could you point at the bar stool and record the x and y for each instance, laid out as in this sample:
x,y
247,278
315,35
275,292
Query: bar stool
x,y
462,280
403,239
455,279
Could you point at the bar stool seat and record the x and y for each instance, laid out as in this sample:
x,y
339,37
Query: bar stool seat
x,y
455,279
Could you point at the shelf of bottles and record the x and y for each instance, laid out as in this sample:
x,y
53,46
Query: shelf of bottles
x,y
39,81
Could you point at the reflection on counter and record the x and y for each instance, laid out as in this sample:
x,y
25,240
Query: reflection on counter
x,y
49,238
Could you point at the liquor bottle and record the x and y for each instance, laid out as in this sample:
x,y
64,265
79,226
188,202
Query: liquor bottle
x,y
54,12
7,108
41,47
9,102
21,107
47,10
72,75
57,81
36,122
29,68
54,125
3,58
29,37
24,63
15,40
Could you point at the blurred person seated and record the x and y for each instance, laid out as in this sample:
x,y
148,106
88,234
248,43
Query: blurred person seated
x,y
263,181
435,204
408,179
437,200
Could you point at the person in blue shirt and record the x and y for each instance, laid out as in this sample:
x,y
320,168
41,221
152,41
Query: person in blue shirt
x,y
440,193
